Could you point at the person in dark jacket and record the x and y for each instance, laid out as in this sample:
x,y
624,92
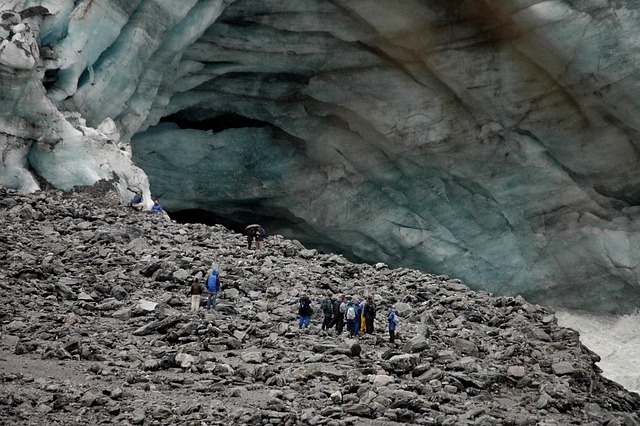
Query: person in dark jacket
x,y
338,314
196,291
260,236
327,312
304,311
369,314
251,234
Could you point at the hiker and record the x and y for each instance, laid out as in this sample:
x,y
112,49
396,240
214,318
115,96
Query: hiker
x,y
358,322
196,290
393,322
304,312
136,202
156,206
251,234
369,314
338,314
327,312
213,286
350,316
260,236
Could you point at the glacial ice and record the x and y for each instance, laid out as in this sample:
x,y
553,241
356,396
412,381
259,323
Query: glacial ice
x,y
496,141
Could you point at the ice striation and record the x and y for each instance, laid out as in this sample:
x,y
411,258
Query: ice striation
x,y
496,141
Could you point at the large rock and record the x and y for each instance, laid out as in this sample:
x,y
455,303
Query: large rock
x,y
402,364
416,344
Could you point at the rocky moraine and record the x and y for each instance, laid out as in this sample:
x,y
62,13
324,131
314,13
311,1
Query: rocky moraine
x,y
96,329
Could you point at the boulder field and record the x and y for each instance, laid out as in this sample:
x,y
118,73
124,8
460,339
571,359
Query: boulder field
x,y
97,329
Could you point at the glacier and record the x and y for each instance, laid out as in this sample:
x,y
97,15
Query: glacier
x,y
495,140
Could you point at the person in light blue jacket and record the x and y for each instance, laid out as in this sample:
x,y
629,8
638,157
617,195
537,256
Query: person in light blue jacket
x,y
393,322
351,315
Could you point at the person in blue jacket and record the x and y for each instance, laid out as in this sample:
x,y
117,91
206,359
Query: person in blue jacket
x,y
213,287
393,322
156,206
136,202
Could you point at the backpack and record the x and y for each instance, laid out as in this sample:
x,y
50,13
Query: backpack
x,y
212,281
351,312
394,318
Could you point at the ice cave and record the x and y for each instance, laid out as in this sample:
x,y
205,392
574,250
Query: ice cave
x,y
495,141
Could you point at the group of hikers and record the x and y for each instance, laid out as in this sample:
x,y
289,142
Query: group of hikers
x,y
254,232
257,233
136,203
212,287
357,314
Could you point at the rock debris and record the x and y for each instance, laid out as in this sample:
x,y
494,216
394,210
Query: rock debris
x,y
97,329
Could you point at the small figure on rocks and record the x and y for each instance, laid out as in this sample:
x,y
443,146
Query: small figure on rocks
x,y
213,287
393,322
338,314
369,314
351,316
260,236
304,312
327,312
359,318
251,234
136,202
156,207
196,291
